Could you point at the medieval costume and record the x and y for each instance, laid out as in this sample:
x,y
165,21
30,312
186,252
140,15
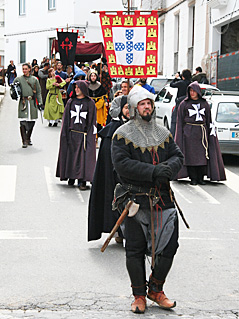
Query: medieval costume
x,y
101,218
54,106
35,70
197,139
145,158
79,75
11,73
77,154
43,75
27,107
98,94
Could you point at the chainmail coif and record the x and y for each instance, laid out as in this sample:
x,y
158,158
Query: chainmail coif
x,y
142,134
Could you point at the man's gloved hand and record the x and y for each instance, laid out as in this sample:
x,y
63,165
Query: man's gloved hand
x,y
40,107
162,173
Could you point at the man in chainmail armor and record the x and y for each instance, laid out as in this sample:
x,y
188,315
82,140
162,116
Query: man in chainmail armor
x,y
145,158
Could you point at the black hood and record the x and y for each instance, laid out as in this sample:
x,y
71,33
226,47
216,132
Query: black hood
x,y
195,86
83,86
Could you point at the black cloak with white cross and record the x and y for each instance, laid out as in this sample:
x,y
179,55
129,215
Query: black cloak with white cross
x,y
77,154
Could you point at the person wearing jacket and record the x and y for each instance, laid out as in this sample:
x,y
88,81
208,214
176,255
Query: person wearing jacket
x,y
181,85
79,75
200,76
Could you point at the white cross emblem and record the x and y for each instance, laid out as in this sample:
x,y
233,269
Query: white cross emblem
x,y
213,129
94,130
78,114
196,111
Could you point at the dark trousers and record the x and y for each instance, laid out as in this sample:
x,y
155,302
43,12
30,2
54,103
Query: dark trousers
x,y
196,172
135,255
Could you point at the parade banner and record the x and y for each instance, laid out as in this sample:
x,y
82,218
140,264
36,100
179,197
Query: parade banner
x,y
67,42
131,44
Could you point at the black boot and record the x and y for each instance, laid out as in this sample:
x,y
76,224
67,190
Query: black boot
x,y
24,136
136,270
29,133
156,282
161,270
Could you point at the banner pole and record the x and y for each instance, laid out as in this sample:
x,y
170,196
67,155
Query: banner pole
x,y
129,14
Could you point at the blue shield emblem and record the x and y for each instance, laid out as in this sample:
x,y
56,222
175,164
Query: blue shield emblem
x,y
139,46
129,46
129,34
119,46
129,58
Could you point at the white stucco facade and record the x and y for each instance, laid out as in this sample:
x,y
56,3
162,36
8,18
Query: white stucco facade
x,y
221,16
2,42
189,30
190,26
39,24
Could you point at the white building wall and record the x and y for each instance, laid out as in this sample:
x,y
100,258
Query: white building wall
x,y
2,27
172,8
221,17
39,24
83,15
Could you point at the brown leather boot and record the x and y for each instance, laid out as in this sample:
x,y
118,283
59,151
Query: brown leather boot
x,y
156,294
139,304
161,299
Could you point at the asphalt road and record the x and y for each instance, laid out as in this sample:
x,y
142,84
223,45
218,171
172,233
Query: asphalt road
x,y
49,270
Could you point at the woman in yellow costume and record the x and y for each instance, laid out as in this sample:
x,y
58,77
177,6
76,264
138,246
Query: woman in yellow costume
x,y
54,106
98,94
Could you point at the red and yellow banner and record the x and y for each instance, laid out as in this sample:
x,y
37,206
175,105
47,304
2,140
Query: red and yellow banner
x,y
131,44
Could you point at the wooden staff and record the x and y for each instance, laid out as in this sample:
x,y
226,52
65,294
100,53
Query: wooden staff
x,y
101,57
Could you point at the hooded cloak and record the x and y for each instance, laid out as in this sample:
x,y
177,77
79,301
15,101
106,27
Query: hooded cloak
x,y
196,138
77,153
101,218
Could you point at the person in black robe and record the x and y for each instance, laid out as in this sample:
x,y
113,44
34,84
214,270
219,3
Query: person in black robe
x,y
77,154
197,139
101,218
11,72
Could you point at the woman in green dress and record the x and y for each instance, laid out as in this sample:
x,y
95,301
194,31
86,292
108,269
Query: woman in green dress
x,y
54,106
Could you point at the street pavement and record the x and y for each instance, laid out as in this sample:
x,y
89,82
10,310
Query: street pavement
x,y
49,270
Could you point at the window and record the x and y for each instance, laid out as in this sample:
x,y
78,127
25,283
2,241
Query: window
x,y
158,84
51,4
176,42
1,60
22,7
228,112
50,45
168,98
22,51
191,24
161,95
